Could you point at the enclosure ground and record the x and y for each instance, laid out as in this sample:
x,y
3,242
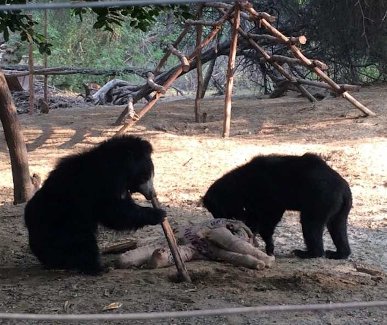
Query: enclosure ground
x,y
188,157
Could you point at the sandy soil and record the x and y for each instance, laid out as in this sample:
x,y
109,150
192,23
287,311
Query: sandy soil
x,y
188,157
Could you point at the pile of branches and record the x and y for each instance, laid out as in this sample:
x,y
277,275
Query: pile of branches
x,y
349,36
116,92
57,99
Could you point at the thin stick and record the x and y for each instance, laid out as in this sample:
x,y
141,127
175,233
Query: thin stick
x,y
119,247
181,269
230,72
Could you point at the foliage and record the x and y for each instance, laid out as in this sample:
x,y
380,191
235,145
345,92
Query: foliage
x,y
16,21
97,37
76,43
351,33
350,36
139,17
106,18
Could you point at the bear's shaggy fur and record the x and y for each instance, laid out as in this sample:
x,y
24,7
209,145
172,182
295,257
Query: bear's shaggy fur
x,y
87,189
259,192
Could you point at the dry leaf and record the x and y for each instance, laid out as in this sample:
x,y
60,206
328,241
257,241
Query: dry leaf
x,y
112,306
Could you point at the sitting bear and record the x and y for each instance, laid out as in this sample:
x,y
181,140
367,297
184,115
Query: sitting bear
x,y
259,192
85,190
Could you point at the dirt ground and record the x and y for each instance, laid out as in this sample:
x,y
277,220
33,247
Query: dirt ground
x,y
188,157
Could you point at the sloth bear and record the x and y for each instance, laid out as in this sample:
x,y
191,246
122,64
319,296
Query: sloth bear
x,y
259,192
85,190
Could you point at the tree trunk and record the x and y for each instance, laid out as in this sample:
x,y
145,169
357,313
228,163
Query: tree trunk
x,y
207,77
23,187
199,70
230,71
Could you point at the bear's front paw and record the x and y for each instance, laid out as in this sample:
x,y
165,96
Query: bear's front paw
x,y
308,254
336,255
157,216
301,254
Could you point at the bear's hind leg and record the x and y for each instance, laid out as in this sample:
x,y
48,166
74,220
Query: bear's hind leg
x,y
86,259
312,229
338,230
78,253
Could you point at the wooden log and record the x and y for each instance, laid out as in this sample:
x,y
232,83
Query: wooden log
x,y
212,34
230,72
151,83
207,77
325,85
222,6
168,53
130,112
99,96
181,269
201,22
298,54
208,23
21,70
295,61
319,64
293,40
277,66
282,59
183,59
150,104
23,187
119,247
172,77
124,89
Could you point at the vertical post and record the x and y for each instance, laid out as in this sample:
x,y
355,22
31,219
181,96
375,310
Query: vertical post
x,y
31,89
230,71
45,81
199,72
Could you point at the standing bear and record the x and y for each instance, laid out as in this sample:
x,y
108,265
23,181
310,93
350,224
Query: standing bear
x,y
85,190
259,192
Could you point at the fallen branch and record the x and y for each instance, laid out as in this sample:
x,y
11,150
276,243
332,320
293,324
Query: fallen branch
x,y
22,70
119,247
100,96
183,59
151,83
292,40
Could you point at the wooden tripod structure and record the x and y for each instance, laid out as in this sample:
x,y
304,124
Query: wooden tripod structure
x,y
159,83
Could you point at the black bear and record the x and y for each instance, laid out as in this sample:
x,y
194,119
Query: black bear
x,y
87,189
259,192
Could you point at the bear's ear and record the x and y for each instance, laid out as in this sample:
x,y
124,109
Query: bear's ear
x,y
131,146
145,147
139,149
